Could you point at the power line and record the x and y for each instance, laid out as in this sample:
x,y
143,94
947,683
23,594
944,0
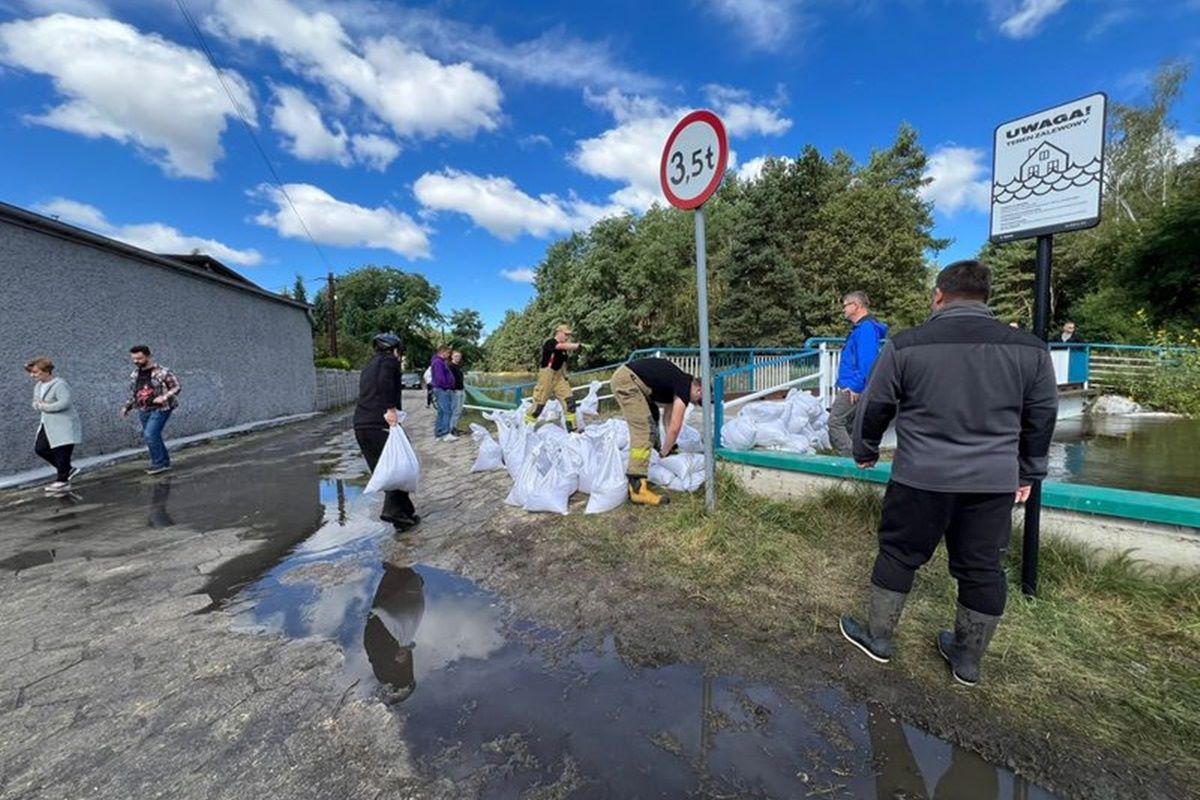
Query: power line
x,y
212,61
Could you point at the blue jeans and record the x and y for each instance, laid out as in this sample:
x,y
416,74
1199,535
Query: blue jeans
x,y
152,425
460,397
445,410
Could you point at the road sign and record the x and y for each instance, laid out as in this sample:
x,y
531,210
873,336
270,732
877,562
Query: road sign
x,y
1047,171
693,162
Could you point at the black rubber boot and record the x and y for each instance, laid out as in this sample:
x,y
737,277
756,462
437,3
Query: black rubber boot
x,y
875,638
964,649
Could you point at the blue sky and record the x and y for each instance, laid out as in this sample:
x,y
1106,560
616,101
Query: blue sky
x,y
459,138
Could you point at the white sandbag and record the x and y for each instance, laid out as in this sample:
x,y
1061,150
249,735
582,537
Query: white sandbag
x,y
398,469
551,412
589,406
490,455
770,433
527,474
514,444
610,488
553,484
690,440
738,434
588,451
763,410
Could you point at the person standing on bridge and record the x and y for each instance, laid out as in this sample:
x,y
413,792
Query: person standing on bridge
x,y
443,394
377,410
858,356
640,387
552,376
975,404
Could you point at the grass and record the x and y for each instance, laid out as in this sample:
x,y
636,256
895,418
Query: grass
x,y
1107,651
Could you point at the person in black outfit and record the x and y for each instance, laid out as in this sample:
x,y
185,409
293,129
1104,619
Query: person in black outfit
x,y
379,401
975,404
459,396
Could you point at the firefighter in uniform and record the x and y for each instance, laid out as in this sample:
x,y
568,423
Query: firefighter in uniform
x,y
640,388
552,376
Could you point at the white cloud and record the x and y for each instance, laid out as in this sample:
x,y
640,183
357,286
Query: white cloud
x,y
523,275
742,117
958,179
765,24
1185,146
336,222
1025,20
417,96
500,207
153,236
376,151
129,86
554,58
752,169
300,122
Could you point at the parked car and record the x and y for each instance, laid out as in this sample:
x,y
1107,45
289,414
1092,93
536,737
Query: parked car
x,y
410,380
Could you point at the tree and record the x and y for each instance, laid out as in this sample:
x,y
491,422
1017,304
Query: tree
x,y
466,329
372,300
299,292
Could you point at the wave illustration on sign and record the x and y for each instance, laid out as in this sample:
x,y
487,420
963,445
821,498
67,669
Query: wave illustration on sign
x,y
1048,169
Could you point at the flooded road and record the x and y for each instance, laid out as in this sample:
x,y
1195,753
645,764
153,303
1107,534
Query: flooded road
x,y
488,704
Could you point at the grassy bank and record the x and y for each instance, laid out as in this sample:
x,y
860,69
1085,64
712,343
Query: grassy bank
x,y
1106,651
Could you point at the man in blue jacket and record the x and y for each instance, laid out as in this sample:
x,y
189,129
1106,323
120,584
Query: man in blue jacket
x,y
858,356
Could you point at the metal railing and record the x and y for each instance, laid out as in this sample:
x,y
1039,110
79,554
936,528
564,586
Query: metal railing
x,y
775,375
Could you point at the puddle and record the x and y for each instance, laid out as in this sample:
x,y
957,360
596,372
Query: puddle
x,y
506,709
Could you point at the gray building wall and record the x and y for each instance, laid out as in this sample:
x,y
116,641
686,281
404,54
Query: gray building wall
x,y
241,354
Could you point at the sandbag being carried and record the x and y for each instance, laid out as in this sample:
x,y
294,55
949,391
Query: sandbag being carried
x,y
398,469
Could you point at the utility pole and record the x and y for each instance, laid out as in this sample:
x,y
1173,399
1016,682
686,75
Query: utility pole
x,y
332,317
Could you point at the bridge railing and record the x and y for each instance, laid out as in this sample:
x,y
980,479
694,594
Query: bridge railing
x,y
801,369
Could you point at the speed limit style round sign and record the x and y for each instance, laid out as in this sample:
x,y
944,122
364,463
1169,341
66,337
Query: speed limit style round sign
x,y
693,162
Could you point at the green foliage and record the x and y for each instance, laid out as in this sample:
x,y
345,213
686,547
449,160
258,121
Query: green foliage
x,y
332,363
1174,385
466,330
299,292
374,299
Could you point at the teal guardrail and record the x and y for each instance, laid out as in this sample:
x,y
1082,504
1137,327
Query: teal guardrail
x,y
1164,509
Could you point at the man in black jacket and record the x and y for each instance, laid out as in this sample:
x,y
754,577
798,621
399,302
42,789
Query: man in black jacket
x,y
378,403
975,404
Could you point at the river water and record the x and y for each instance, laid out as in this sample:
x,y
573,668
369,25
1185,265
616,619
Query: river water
x,y
1144,452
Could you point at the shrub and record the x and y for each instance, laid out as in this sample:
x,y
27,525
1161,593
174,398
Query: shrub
x,y
332,363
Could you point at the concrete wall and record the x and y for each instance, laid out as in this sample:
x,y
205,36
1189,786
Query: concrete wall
x,y
241,355
336,388
1159,546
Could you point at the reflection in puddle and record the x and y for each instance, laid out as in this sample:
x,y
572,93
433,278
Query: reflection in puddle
x,y
505,707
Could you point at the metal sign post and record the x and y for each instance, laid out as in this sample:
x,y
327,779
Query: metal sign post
x,y
693,164
1047,174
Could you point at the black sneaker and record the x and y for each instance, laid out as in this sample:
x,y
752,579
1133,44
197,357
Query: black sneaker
x,y
71,475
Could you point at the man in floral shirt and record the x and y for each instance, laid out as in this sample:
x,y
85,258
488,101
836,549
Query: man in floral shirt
x,y
152,392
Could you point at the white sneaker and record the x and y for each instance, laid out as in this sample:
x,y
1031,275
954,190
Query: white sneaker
x,y
58,486
450,437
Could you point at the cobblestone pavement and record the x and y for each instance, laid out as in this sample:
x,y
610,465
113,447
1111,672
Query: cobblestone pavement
x,y
115,684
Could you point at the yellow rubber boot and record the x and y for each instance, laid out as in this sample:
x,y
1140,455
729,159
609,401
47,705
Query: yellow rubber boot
x,y
571,422
640,493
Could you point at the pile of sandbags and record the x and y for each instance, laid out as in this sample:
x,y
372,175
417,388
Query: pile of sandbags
x,y
797,424
548,465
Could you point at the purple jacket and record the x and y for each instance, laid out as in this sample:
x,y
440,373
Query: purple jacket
x,y
443,378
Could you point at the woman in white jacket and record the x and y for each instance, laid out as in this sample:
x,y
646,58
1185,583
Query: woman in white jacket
x,y
60,429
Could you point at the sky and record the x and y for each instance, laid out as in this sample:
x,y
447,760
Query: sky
x,y
461,138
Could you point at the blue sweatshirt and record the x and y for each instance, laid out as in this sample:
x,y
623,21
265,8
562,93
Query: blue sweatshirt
x,y
859,354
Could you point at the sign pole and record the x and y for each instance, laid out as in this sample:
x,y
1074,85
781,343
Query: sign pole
x,y
1033,506
706,409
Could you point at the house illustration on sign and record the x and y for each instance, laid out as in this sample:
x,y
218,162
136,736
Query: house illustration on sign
x,y
1043,160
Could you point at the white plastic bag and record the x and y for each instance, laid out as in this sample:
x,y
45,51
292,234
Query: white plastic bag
x,y
738,434
526,475
610,488
490,455
690,440
589,406
398,469
770,433
557,478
